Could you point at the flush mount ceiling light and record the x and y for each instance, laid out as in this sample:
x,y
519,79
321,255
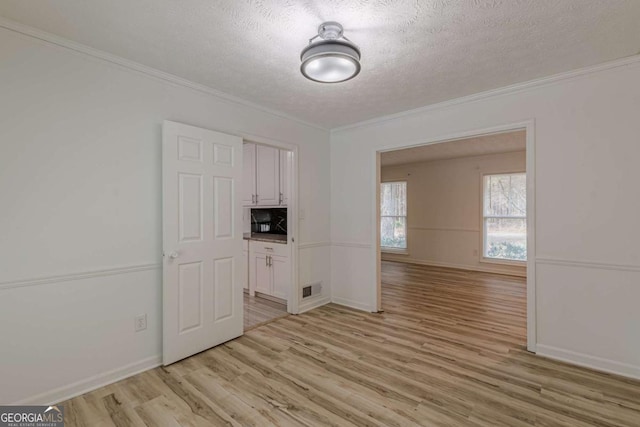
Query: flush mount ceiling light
x,y
333,59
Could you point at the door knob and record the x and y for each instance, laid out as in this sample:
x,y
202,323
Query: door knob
x,y
174,255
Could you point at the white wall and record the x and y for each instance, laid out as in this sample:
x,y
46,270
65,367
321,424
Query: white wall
x,y
587,148
80,224
444,209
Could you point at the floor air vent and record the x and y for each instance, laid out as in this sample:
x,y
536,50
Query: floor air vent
x,y
312,290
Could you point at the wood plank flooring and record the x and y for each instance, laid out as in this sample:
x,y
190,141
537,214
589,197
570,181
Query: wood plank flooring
x,y
261,310
447,351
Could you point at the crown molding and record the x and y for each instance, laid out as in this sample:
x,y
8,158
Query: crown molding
x,y
170,78
495,93
143,69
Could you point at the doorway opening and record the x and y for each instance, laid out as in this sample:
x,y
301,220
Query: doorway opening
x,y
455,232
268,202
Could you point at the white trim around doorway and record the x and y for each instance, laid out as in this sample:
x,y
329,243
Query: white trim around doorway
x,y
529,127
293,299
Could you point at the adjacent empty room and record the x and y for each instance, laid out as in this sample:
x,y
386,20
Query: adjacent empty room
x,y
453,229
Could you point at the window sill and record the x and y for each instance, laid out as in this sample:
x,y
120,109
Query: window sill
x,y
511,262
394,251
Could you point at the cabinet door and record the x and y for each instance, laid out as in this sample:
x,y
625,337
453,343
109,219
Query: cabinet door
x,y
281,276
248,174
245,269
285,166
268,175
262,273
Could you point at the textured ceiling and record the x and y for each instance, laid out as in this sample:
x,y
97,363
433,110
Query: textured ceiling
x,y
414,52
476,146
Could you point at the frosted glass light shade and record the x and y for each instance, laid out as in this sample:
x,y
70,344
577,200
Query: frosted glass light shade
x,y
330,61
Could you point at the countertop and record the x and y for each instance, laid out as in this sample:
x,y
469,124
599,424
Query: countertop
x,y
266,237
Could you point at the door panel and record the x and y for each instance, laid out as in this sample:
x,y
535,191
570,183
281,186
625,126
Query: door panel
x,y
222,155
189,149
224,217
202,239
190,297
223,272
190,206
267,175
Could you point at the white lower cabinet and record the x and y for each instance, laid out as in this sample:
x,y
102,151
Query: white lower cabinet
x,y
281,276
262,274
269,269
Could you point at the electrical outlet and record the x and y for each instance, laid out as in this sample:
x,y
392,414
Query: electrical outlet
x,y
141,322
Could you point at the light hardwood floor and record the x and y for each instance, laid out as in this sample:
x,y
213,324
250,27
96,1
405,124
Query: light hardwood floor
x,y
448,350
258,311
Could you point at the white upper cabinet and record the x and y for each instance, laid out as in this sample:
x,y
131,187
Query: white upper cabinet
x,y
285,167
249,175
267,175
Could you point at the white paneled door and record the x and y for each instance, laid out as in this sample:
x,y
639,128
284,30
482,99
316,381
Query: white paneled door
x,y
202,239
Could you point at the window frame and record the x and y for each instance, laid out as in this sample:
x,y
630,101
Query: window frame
x,y
388,249
483,241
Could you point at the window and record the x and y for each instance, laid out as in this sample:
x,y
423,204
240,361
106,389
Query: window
x,y
505,216
393,215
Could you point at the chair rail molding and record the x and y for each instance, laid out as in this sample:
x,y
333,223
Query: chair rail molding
x,y
313,245
352,245
587,264
455,229
43,280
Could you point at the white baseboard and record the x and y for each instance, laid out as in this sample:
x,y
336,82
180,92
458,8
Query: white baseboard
x,y
314,303
86,385
353,304
483,269
587,361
